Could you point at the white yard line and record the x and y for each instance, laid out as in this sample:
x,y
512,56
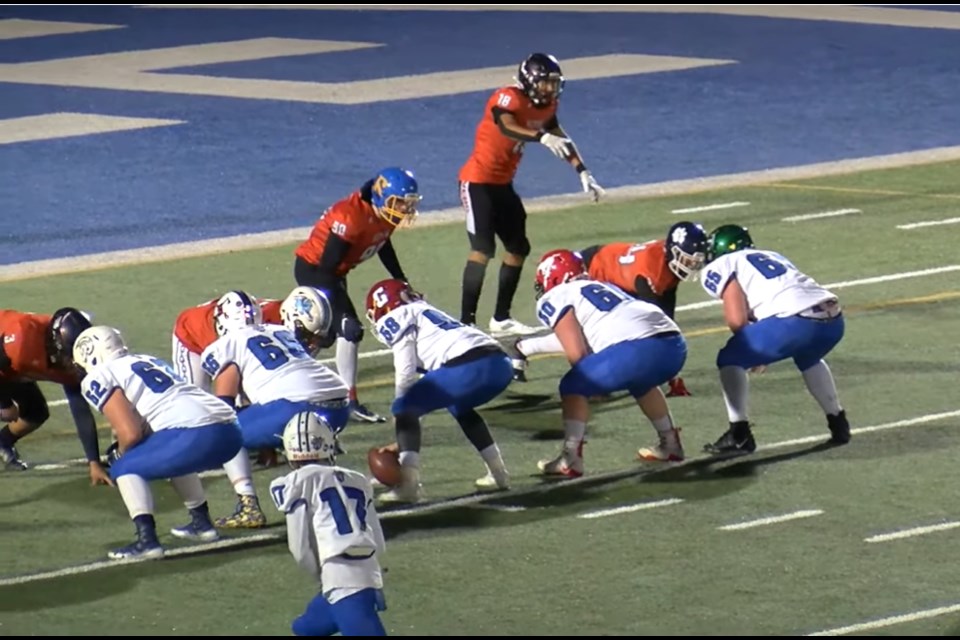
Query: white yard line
x,y
630,508
928,223
484,497
712,207
762,522
915,531
216,246
822,214
889,622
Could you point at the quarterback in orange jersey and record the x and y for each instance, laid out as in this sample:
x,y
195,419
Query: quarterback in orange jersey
x,y
512,117
39,348
352,231
649,271
198,327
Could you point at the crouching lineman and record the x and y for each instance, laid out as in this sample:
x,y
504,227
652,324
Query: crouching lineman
x,y
465,368
267,365
613,342
333,532
165,428
775,312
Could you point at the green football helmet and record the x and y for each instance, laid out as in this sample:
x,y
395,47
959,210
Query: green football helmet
x,y
727,239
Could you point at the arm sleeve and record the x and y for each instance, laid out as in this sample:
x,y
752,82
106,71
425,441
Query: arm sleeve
x,y
333,253
510,133
388,256
667,302
85,422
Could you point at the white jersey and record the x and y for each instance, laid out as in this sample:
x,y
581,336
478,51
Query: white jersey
x,y
273,366
423,337
333,530
772,285
607,314
161,397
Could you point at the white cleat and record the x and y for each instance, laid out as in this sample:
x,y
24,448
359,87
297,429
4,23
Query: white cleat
x,y
511,327
669,449
494,481
568,464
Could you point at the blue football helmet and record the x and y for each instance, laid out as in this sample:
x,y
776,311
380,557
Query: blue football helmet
x,y
395,196
687,245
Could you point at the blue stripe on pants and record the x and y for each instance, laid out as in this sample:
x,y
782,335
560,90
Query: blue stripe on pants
x,y
633,365
171,453
770,340
262,424
457,388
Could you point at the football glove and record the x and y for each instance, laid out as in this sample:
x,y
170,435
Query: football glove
x,y
560,147
591,186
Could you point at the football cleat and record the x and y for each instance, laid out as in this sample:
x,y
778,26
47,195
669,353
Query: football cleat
x,y
495,480
737,440
839,428
510,327
677,388
248,515
360,413
11,458
200,526
568,463
518,360
669,449
139,550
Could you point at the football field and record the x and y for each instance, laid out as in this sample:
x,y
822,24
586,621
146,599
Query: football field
x,y
798,538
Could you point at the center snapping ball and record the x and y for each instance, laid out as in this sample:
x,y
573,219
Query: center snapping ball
x,y
385,466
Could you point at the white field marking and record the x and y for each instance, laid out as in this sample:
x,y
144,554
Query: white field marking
x,y
712,207
822,214
630,508
762,522
224,543
833,13
928,223
915,531
479,498
14,28
65,125
132,71
506,508
889,622
708,303
216,246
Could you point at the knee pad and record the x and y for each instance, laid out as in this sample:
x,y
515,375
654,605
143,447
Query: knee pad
x,y
520,248
351,329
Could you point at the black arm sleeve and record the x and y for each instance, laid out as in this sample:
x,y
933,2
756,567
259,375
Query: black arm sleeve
x,y
667,302
388,256
497,112
86,424
333,254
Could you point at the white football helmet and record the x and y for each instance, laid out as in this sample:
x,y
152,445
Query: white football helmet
x,y
308,437
308,314
235,310
97,345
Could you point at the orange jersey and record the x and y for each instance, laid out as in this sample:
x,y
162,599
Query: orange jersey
x,y
195,328
355,221
25,343
621,263
495,157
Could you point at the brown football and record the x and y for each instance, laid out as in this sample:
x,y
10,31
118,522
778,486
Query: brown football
x,y
384,466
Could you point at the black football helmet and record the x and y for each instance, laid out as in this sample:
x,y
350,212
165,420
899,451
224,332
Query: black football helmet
x,y
541,78
66,325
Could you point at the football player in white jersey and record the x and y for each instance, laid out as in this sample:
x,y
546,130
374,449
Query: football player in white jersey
x,y
165,428
463,367
266,365
333,532
613,342
775,312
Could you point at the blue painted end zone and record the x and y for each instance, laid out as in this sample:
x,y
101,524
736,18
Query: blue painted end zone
x,y
801,92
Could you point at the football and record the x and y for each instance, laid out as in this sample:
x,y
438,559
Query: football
x,y
384,466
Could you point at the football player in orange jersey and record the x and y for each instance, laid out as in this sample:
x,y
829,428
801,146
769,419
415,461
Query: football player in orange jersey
x,y
39,348
352,231
196,329
512,117
649,271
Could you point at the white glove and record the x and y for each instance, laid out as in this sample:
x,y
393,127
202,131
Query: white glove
x,y
590,186
560,147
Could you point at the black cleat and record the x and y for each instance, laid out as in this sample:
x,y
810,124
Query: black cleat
x,y
839,428
737,440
